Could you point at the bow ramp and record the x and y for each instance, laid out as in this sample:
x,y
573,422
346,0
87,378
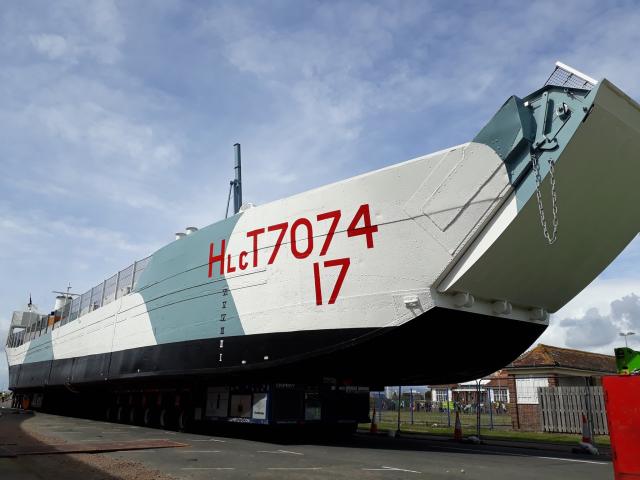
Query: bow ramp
x,y
573,161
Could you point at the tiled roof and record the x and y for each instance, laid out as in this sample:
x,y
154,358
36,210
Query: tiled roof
x,y
547,356
498,379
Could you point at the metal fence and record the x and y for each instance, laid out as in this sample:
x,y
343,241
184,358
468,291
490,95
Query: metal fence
x,y
436,409
552,403
120,284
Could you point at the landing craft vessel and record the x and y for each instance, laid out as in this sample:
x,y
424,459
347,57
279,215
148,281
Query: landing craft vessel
x,y
440,269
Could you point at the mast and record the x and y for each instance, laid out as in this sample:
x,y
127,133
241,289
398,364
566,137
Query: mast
x,y
237,183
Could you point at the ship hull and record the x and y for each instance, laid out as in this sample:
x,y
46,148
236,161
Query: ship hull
x,y
434,270
441,345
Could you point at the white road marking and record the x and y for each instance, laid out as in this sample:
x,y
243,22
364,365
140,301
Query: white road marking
x,y
479,451
389,469
294,468
280,451
575,460
208,440
198,451
208,468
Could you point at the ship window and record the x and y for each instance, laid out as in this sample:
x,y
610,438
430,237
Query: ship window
x,y
75,309
96,296
110,289
140,266
85,301
64,316
125,280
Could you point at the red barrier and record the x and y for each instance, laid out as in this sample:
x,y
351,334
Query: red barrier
x,y
622,399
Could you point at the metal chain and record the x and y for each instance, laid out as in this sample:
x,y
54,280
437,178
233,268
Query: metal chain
x,y
554,198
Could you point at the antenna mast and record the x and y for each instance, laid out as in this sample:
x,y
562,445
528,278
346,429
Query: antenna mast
x,y
237,183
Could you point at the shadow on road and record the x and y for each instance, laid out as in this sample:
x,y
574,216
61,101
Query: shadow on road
x,y
15,436
293,436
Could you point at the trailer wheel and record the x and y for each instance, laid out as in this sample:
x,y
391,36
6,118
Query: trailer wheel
x,y
122,415
150,417
135,415
185,420
166,419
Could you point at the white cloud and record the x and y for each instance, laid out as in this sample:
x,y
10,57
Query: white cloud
x,y
626,311
108,135
593,319
91,31
67,229
51,45
589,331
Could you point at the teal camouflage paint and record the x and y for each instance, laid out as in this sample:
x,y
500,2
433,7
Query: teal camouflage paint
x,y
182,301
40,349
535,124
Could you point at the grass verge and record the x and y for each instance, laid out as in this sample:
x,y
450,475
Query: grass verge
x,y
509,435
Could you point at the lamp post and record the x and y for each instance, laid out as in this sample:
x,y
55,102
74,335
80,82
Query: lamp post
x,y
625,335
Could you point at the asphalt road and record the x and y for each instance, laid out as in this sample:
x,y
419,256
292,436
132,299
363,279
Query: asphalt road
x,y
360,457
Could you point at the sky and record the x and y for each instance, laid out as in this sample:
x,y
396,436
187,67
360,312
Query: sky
x,y
117,119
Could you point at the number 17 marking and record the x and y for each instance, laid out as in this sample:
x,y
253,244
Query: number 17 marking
x,y
338,262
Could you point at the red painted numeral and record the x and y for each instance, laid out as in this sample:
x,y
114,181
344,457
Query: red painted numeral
x,y
368,230
343,263
316,281
283,229
335,218
294,243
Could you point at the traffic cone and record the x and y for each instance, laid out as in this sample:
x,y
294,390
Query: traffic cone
x,y
374,425
457,432
586,444
586,431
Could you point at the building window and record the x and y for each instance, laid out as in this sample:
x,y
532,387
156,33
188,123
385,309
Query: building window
x,y
500,395
527,389
442,395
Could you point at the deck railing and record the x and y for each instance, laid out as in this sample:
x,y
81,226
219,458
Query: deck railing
x,y
119,285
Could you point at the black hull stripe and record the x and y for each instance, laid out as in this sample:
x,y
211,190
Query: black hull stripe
x,y
440,346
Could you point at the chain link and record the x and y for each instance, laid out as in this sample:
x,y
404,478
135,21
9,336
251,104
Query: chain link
x,y
554,198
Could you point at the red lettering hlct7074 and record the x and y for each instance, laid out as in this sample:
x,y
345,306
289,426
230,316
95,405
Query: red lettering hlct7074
x,y
301,241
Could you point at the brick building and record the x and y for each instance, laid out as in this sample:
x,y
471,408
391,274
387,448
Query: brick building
x,y
547,366
493,390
